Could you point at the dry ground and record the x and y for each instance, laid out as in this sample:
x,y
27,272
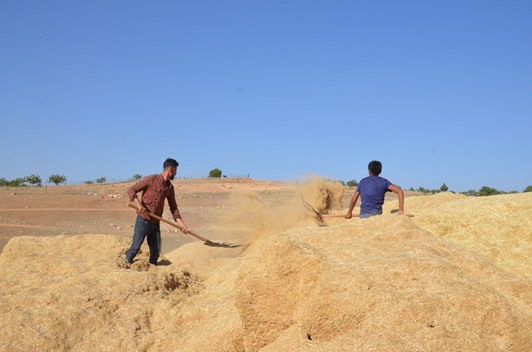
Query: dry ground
x,y
89,209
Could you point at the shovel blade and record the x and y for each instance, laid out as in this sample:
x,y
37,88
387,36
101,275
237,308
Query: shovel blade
x,y
221,244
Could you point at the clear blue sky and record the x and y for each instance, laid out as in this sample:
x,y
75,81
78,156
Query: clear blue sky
x,y
439,91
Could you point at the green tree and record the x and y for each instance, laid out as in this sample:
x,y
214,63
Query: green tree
x,y
487,191
57,179
215,173
423,190
3,182
352,183
18,182
444,188
101,180
89,182
136,177
471,192
34,180
528,189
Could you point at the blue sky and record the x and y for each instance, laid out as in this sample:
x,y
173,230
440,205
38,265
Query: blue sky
x,y
439,91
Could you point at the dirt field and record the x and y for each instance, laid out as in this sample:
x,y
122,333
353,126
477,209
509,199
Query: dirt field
x,y
101,209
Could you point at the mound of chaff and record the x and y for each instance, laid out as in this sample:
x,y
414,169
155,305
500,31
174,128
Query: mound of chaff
x,y
381,284
499,228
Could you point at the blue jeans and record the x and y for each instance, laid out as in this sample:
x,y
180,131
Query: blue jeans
x,y
142,230
365,216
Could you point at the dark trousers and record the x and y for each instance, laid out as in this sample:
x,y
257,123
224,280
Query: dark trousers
x,y
142,230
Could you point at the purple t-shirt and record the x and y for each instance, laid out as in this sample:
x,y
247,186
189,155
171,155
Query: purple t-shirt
x,y
372,190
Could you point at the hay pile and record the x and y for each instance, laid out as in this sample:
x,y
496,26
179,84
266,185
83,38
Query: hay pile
x,y
381,284
73,294
499,228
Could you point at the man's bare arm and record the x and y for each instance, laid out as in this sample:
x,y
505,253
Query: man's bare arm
x,y
354,200
400,195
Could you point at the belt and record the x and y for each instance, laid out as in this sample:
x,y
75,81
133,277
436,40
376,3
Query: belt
x,y
150,221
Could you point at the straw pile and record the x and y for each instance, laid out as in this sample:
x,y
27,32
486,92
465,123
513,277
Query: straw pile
x,y
499,228
380,284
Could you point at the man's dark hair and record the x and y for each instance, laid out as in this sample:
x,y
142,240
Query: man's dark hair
x,y
375,167
170,163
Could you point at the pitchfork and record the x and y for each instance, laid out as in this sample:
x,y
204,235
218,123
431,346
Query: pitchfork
x,y
319,217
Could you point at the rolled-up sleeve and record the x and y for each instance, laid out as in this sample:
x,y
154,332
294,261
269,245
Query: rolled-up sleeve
x,y
173,204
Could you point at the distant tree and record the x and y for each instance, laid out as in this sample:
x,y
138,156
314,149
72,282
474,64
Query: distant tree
x,y
136,177
57,179
342,182
423,190
471,192
487,191
101,180
352,183
444,188
88,182
528,189
18,182
34,180
13,183
215,173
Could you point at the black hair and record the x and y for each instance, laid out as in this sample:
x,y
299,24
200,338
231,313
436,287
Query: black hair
x,y
375,167
170,163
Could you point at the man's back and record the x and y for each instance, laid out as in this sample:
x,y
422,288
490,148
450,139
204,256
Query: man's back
x,y
372,189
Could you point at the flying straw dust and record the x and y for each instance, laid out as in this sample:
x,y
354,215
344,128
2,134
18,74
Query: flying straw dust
x,y
251,216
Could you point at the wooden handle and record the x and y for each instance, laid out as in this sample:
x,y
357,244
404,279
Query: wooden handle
x,y
325,216
171,223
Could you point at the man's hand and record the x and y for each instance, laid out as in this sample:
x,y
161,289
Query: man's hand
x,y
400,195
182,226
354,200
140,208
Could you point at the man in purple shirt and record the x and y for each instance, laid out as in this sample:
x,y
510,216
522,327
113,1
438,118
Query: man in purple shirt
x,y
155,189
372,190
